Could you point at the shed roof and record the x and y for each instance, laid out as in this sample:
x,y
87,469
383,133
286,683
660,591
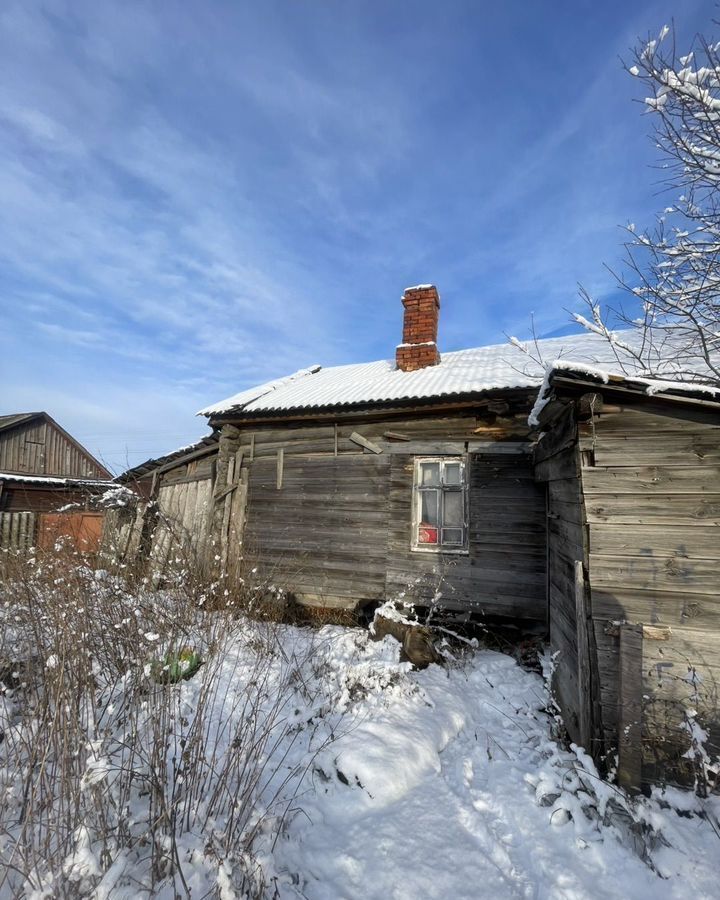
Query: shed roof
x,y
462,372
13,419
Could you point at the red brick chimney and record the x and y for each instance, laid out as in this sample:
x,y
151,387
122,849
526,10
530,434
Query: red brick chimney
x,y
420,327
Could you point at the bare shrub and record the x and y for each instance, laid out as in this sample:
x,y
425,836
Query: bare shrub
x,y
117,770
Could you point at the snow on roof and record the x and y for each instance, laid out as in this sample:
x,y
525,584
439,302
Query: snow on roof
x,y
460,372
53,479
650,386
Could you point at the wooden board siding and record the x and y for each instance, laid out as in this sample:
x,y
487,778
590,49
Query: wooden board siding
x,y
323,534
18,497
38,447
504,571
339,527
681,672
181,533
557,463
17,530
651,480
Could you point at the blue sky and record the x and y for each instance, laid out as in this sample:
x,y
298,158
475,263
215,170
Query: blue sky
x,y
197,197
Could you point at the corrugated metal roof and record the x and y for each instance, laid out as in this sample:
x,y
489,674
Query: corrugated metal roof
x,y
461,372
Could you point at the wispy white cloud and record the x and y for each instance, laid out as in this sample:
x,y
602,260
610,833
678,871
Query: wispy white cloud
x,y
198,197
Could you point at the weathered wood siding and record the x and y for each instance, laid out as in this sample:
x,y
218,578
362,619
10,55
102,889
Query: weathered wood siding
x,y
17,530
324,532
651,483
339,526
504,571
557,463
37,447
181,532
634,494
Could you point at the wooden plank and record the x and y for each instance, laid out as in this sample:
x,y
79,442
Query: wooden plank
x,y
456,448
630,689
583,658
669,574
683,449
661,479
679,541
560,438
655,509
396,436
616,603
363,442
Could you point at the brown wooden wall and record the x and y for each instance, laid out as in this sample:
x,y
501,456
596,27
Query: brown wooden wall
x,y
504,571
651,480
38,497
331,520
557,463
634,493
339,528
17,530
39,448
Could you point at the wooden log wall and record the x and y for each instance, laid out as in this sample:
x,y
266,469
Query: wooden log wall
x,y
17,530
651,482
38,448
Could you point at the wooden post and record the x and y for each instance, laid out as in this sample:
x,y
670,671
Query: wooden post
x,y
224,533
336,439
630,690
583,658
280,464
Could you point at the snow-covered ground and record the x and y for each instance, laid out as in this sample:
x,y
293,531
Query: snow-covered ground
x,y
357,776
448,784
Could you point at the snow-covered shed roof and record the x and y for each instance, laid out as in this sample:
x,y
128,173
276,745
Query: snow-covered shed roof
x,y
462,372
54,480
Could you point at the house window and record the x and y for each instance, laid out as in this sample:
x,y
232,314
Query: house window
x,y
440,504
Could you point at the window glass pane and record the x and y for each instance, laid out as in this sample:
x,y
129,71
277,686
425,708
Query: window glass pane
x,y
452,536
429,507
428,534
428,530
429,474
453,508
451,475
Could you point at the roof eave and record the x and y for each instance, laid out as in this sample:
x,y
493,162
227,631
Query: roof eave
x,y
382,407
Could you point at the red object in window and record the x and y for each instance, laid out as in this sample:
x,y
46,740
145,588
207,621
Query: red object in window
x,y
427,534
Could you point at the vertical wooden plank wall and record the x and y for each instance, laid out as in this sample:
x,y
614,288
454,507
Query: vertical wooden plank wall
x,y
38,448
18,530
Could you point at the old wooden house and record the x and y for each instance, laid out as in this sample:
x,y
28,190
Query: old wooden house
x,y
592,512
43,469
440,479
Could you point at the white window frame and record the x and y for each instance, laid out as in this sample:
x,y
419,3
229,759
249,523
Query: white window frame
x,y
415,544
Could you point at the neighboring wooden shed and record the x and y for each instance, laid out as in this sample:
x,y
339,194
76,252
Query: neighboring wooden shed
x,y
43,469
633,476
